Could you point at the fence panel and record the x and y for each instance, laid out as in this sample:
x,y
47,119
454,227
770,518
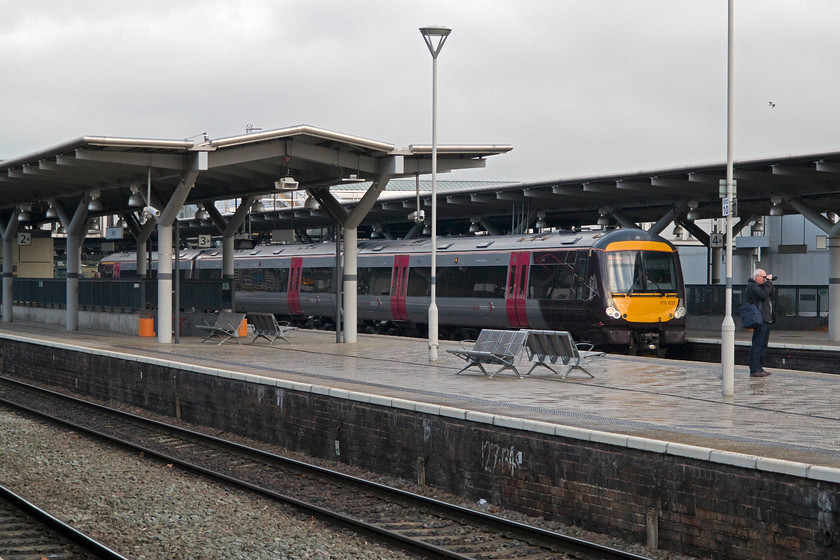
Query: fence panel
x,y
118,295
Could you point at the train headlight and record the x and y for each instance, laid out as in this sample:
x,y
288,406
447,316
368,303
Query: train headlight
x,y
613,312
680,312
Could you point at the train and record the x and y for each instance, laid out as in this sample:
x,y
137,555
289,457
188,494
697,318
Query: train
x,y
614,288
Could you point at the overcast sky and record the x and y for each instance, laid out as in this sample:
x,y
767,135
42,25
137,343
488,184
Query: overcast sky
x,y
578,87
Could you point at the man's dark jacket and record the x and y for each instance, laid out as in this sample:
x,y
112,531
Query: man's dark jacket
x,y
762,295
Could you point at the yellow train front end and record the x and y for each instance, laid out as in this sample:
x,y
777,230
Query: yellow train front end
x,y
645,295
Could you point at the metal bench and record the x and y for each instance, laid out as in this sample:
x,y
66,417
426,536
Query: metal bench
x,y
268,327
493,347
225,327
549,348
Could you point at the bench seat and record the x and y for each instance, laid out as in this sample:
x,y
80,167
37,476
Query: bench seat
x,y
268,327
224,328
492,347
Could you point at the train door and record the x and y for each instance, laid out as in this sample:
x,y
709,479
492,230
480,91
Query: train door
x,y
399,284
295,272
517,288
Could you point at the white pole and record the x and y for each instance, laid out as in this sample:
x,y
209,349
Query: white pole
x,y
351,283
433,310
434,37
727,335
164,284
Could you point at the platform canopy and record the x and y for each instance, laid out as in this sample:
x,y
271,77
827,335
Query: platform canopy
x,y
289,159
766,186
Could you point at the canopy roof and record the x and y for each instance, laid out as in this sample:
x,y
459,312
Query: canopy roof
x,y
226,168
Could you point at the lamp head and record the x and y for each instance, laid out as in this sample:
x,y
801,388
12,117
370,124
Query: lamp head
x,y
776,209
136,199
286,184
435,36
692,213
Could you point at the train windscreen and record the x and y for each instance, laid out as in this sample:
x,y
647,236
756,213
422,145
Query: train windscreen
x,y
632,272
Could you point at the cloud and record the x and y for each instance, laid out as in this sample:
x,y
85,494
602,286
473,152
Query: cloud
x,y
578,87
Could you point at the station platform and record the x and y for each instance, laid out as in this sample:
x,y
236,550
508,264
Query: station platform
x,y
789,416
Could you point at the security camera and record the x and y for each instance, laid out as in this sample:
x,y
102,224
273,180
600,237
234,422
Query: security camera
x,y
152,211
417,216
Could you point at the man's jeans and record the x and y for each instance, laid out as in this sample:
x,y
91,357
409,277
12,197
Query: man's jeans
x,y
760,338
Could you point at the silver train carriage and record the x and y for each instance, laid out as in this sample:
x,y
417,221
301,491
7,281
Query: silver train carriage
x,y
621,288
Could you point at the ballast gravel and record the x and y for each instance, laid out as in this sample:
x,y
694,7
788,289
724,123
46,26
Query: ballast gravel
x,y
146,509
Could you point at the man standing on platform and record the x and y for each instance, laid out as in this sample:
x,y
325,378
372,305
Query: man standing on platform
x,y
760,293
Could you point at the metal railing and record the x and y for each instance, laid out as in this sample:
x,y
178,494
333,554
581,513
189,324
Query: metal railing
x,y
119,295
791,301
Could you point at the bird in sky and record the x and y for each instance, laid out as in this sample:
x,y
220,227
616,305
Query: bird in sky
x,y
771,104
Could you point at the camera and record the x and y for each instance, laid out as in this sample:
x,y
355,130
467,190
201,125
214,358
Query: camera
x,y
772,277
151,211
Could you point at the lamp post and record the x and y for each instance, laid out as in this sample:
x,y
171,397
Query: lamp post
x,y
727,334
435,37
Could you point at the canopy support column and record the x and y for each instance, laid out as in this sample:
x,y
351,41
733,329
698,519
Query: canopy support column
x,y
9,233
350,281
832,230
668,217
76,231
228,230
834,288
164,284
351,249
192,165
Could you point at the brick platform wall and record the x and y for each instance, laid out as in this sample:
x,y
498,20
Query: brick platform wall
x,y
697,508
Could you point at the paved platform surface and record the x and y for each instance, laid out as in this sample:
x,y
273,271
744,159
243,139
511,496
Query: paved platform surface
x,y
791,415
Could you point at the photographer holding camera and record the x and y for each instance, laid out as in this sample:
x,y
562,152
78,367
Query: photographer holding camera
x,y
760,292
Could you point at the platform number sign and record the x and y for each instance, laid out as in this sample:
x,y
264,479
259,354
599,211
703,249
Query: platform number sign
x,y
24,238
203,241
716,239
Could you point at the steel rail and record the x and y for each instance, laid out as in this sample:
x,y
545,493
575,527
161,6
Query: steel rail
x,y
67,532
540,537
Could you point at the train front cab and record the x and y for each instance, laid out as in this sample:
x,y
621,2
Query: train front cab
x,y
644,303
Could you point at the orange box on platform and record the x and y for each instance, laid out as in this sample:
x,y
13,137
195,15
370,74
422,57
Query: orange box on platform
x,y
243,328
146,326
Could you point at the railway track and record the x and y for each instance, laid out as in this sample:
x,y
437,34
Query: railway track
x,y
417,524
28,532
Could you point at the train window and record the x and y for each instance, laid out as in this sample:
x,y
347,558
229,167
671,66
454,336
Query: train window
x,y
554,275
262,279
418,281
210,274
249,279
374,281
316,280
452,281
107,270
660,269
494,281
484,281
277,279
581,270
641,271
